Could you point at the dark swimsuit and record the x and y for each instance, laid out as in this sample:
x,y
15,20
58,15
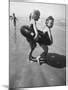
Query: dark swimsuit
x,y
43,38
27,30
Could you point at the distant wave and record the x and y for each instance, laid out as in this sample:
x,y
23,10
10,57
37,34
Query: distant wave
x,y
60,22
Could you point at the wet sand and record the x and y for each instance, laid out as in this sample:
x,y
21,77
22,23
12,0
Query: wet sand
x,y
26,74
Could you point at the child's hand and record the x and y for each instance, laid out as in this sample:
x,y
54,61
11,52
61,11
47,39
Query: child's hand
x,y
32,33
36,37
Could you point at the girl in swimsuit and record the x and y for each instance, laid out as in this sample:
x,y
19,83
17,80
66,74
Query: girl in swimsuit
x,y
45,36
30,32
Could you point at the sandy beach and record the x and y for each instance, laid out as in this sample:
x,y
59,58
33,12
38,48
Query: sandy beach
x,y
22,73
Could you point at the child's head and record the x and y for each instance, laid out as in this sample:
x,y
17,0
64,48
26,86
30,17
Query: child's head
x,y
49,22
13,14
35,15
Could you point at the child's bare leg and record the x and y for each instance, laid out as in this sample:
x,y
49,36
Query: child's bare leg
x,y
44,54
45,48
25,32
33,46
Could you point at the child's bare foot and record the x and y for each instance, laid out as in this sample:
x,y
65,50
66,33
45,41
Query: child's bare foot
x,y
37,58
31,58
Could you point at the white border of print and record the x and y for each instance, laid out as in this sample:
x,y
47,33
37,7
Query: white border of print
x,y
4,44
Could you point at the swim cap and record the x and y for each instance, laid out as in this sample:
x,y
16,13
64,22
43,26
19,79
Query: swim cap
x,y
36,14
50,18
47,21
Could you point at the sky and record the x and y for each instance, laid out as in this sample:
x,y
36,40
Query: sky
x,y
23,9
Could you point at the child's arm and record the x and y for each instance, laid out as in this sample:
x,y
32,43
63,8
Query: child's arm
x,y
50,36
35,30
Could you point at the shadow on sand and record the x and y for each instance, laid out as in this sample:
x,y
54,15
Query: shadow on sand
x,y
55,60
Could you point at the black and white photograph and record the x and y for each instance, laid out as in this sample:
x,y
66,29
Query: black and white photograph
x,y
37,45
